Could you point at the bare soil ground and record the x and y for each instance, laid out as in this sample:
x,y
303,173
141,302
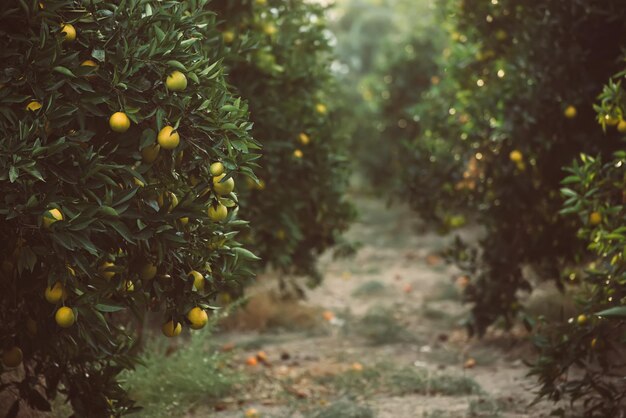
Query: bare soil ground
x,y
381,337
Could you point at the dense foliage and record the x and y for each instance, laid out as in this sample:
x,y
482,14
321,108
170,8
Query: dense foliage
x,y
111,113
507,114
279,58
507,111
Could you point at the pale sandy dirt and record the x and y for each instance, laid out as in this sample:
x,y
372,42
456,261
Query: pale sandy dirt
x,y
421,292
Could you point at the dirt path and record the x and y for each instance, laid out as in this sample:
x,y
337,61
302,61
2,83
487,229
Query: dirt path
x,y
379,338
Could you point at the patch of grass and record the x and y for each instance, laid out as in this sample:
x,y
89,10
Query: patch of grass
x,y
369,288
406,381
379,326
344,408
486,408
447,290
170,385
387,378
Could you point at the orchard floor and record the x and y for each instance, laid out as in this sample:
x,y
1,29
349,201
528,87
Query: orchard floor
x,y
381,337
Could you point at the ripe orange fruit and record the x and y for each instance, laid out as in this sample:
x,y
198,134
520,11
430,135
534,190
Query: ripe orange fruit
x,y
357,367
12,357
252,412
88,63
169,330
298,153
252,361
64,317
33,105
261,356
304,139
69,32
516,156
51,216
198,280
55,293
119,122
197,317
595,218
328,315
168,138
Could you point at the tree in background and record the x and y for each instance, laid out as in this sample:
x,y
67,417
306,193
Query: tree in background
x,y
279,58
387,55
508,111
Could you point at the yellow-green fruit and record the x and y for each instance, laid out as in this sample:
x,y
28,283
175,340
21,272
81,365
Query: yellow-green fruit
x,y
198,280
223,187
197,317
184,220
217,213
55,293
216,169
33,105
321,108
172,198
51,216
150,153
69,32
12,357
128,286
570,112
229,36
103,269
119,122
171,330
516,156
298,153
582,319
595,218
64,317
621,126
168,138
304,139
148,271
176,81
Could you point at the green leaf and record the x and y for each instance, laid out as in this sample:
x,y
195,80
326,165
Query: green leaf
x,y
64,71
617,311
108,308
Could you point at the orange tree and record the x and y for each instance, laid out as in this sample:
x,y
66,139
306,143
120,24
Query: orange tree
x,y
510,110
593,342
279,59
120,140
